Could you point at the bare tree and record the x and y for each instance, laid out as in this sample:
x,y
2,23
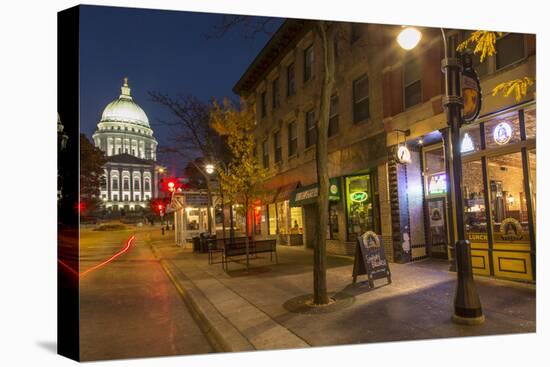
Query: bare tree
x,y
192,136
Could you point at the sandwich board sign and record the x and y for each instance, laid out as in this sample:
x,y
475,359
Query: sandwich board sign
x,y
370,259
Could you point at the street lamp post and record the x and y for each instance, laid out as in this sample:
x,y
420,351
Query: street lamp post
x,y
467,306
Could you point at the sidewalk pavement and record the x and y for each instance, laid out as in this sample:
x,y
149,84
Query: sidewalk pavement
x,y
259,310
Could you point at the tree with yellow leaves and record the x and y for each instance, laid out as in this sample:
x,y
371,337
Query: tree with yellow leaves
x,y
242,181
483,43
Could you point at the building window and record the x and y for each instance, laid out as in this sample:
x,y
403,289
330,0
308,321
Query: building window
x,y
333,127
292,139
275,93
290,80
308,63
311,129
147,185
359,206
296,220
125,197
114,185
361,99
474,199
411,83
136,198
136,184
272,219
355,32
126,183
263,104
265,154
277,146
507,198
115,197
510,49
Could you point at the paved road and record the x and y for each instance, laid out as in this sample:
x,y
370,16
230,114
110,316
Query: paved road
x,y
129,307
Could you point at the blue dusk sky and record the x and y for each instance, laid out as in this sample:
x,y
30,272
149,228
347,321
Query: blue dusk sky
x,y
158,50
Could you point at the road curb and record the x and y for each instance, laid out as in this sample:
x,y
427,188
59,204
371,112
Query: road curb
x,y
221,334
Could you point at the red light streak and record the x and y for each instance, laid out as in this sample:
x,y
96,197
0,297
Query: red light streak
x,y
71,270
127,247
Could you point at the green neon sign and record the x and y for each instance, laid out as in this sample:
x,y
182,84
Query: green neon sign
x,y
358,196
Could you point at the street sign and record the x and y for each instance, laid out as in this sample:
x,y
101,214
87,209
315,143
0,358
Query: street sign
x,y
471,90
370,259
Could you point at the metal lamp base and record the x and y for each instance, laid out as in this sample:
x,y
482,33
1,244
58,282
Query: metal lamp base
x,y
468,320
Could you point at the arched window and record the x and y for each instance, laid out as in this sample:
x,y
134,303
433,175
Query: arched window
x,y
136,183
114,184
126,184
147,185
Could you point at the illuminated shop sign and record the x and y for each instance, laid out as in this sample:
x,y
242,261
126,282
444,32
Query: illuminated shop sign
x,y
502,133
359,196
437,184
467,145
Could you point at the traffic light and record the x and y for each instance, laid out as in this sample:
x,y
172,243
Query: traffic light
x,y
171,186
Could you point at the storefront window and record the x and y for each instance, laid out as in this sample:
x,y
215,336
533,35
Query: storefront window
x,y
502,130
508,199
272,217
531,123
474,202
258,219
359,206
470,139
282,217
297,226
533,181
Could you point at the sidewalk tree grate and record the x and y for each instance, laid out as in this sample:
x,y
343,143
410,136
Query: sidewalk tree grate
x,y
304,305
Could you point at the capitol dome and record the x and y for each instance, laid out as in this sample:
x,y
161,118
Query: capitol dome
x,y
124,129
124,109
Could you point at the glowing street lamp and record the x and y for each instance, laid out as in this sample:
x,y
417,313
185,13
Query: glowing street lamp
x,y
209,168
409,37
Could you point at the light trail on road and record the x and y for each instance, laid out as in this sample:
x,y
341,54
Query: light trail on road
x,y
127,247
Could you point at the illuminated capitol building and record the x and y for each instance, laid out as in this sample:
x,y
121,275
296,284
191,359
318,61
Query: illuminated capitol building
x,y
124,134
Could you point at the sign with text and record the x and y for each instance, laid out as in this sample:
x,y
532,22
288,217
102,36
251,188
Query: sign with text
x,y
370,259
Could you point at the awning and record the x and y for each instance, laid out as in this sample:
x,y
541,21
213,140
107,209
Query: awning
x,y
285,192
308,194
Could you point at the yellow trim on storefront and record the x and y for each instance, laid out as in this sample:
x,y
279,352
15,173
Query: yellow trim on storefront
x,y
513,265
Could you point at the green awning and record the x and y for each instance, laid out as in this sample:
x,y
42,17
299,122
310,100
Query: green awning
x,y
308,194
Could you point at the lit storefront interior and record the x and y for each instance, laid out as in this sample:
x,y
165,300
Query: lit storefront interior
x,y
283,221
499,189
359,206
499,183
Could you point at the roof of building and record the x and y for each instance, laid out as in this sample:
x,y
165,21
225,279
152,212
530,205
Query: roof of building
x,y
126,158
280,43
124,109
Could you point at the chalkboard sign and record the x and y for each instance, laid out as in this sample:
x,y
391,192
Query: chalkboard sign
x,y
370,259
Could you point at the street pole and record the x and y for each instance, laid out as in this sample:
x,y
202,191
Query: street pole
x,y
467,306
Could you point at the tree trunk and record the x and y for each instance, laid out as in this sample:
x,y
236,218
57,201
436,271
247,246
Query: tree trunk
x,y
209,206
320,296
246,242
231,223
223,214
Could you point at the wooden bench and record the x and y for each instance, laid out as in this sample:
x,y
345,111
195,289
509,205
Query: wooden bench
x,y
218,244
238,248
